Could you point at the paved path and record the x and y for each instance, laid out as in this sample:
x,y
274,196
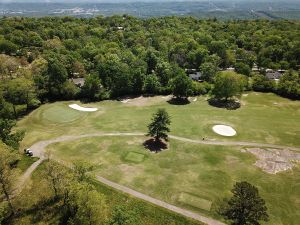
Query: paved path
x,y
40,147
160,203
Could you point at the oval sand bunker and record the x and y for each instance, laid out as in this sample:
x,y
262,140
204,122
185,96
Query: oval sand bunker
x,y
224,130
84,109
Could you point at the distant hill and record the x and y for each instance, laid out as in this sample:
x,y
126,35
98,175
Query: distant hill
x,y
221,9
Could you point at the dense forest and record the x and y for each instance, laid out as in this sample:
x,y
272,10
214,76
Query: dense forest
x,y
123,55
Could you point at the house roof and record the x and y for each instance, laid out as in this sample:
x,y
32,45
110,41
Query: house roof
x,y
78,81
195,76
273,75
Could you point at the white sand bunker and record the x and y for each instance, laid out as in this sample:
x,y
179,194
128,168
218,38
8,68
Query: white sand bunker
x,y
224,130
84,109
125,101
274,160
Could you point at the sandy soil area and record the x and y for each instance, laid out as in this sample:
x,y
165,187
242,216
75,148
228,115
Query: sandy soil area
x,y
84,109
224,130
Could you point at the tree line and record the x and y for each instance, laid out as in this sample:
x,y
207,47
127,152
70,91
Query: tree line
x,y
123,55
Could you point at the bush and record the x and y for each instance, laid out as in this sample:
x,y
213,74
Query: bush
x,y
201,88
289,85
34,103
263,84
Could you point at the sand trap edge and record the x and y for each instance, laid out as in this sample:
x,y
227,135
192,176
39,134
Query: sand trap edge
x,y
224,130
83,109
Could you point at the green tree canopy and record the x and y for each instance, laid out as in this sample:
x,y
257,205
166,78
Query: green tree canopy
x,y
289,84
158,128
181,86
227,85
152,85
245,206
262,83
208,71
7,136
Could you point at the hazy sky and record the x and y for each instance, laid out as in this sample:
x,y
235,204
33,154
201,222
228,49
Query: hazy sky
x,y
114,1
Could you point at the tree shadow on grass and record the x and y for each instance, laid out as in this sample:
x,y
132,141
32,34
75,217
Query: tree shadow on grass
x,y
37,212
155,146
179,101
226,104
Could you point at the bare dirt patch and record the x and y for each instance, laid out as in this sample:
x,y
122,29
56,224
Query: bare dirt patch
x,y
274,160
141,101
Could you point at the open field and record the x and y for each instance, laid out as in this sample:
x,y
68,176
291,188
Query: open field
x,y
264,118
192,176
49,213
188,175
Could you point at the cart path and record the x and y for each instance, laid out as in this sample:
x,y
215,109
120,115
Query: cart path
x,y
39,150
160,203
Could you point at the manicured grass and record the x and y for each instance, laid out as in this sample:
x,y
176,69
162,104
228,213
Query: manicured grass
x,y
60,113
206,172
135,157
264,118
195,201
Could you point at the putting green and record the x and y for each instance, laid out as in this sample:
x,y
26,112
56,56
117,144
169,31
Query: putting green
x,y
61,114
135,157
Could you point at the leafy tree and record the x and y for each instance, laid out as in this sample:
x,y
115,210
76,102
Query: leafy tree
x,y
242,68
208,71
181,86
81,168
197,57
200,88
57,77
152,84
227,85
163,71
34,39
70,90
219,48
262,83
89,206
4,211
138,81
158,128
8,137
245,206
20,91
5,108
151,60
56,175
92,87
7,176
289,84
121,215
7,47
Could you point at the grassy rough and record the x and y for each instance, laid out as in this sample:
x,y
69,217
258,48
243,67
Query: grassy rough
x,y
205,171
208,172
49,213
195,201
264,118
